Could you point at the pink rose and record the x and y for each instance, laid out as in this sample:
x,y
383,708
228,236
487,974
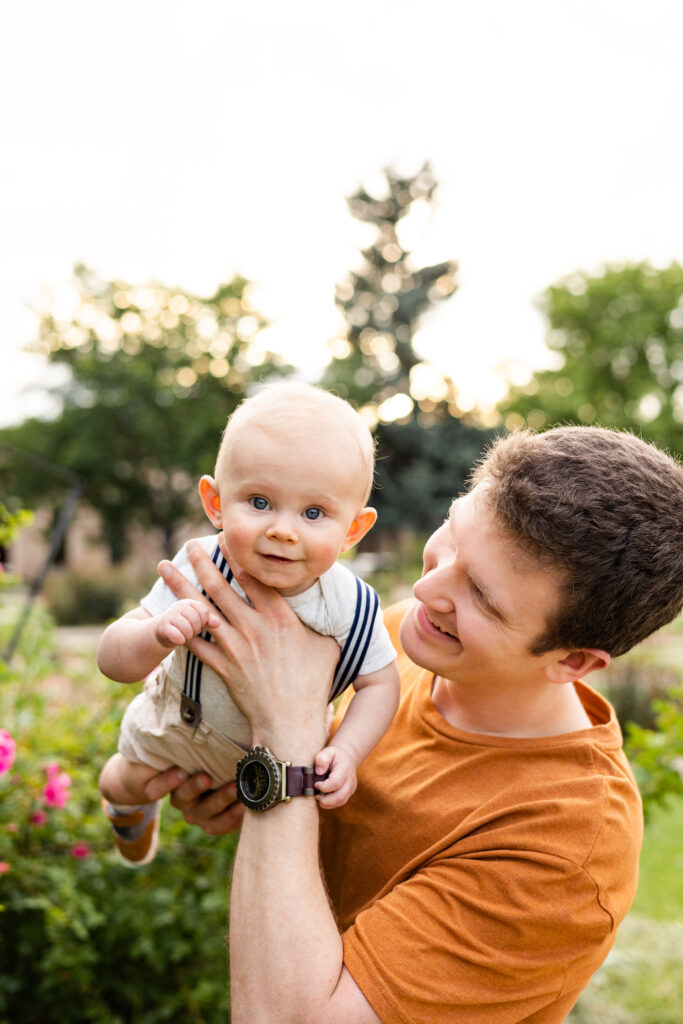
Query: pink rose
x,y
55,791
4,867
80,850
8,749
39,818
12,826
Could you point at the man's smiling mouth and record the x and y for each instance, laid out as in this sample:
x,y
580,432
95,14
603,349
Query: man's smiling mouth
x,y
444,632
438,628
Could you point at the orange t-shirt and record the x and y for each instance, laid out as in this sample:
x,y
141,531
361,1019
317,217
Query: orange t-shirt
x,y
480,879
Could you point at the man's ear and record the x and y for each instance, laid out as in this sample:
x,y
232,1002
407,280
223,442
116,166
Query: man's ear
x,y
363,522
576,664
211,500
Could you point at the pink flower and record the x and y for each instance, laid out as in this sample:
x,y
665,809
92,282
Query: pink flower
x,y
12,826
4,867
39,818
56,790
80,850
8,749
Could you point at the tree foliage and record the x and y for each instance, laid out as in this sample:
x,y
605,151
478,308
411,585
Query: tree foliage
x,y
153,374
424,450
383,301
619,337
421,468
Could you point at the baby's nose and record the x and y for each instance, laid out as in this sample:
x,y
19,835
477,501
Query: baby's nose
x,y
282,528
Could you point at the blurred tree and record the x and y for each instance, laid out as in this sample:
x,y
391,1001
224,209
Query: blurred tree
x,y
424,449
619,338
153,374
421,468
382,304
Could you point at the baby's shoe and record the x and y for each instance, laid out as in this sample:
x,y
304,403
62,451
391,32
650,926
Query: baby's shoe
x,y
136,831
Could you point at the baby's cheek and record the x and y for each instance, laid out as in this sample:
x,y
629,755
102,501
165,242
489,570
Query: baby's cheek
x,y
328,551
239,541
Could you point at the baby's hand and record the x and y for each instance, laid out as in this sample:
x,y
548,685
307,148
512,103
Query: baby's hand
x,y
340,784
183,620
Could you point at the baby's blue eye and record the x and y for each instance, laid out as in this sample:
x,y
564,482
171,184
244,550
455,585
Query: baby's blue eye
x,y
313,513
259,503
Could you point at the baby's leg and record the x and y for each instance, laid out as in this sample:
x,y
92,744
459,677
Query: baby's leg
x,y
122,782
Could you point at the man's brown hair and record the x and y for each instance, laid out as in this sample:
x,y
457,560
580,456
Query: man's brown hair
x,y
606,510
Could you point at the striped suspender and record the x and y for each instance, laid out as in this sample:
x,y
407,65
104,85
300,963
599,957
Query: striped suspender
x,y
358,640
190,703
349,664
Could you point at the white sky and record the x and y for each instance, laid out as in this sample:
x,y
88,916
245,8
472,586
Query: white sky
x,y
178,141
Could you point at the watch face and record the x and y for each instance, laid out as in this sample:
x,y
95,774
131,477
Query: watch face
x,y
255,781
259,779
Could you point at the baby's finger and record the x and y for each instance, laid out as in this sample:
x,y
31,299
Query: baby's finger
x,y
328,801
323,760
173,634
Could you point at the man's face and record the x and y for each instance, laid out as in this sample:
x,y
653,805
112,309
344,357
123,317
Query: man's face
x,y
481,603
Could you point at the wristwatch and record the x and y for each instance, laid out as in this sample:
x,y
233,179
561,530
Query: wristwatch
x,y
263,781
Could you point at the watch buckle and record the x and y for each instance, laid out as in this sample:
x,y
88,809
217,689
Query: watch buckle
x,y
308,780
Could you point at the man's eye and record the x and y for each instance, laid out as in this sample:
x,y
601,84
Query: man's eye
x,y
313,513
259,503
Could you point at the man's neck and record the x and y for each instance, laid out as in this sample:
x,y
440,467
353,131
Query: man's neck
x,y
549,709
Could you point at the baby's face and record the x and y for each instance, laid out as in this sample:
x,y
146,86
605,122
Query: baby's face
x,y
287,501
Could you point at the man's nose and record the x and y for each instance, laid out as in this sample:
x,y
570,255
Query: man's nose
x,y
432,591
283,528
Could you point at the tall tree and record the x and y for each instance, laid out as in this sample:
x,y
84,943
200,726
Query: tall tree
x,y
383,301
424,449
153,374
619,337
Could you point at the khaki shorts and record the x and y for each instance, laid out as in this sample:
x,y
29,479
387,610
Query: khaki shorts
x,y
153,733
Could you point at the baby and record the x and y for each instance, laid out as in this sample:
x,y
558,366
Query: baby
x,y
292,478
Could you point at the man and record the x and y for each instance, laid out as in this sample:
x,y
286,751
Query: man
x,y
480,871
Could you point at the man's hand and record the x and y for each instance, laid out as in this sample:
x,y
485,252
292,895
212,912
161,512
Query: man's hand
x,y
278,671
216,811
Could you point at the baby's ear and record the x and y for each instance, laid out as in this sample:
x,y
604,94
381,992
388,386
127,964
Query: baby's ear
x,y
363,522
211,500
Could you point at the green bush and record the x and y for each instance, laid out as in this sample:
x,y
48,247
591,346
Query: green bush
x,y
78,599
641,981
82,937
657,754
633,685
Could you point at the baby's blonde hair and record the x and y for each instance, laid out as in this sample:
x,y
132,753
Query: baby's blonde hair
x,y
288,402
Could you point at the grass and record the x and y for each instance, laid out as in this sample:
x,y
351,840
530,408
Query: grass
x,y
660,890
641,982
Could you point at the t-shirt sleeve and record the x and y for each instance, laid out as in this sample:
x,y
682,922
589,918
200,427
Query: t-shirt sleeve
x,y
339,593
161,597
380,650
478,940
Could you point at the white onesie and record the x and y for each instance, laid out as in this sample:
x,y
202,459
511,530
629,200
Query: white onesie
x,y
152,731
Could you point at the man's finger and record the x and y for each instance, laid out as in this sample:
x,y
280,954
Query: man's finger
x,y
226,599
165,782
181,587
258,593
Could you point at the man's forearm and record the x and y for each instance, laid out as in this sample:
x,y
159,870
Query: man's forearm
x,y
286,954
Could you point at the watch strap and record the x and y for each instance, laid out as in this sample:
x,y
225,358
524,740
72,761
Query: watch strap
x,y
301,780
